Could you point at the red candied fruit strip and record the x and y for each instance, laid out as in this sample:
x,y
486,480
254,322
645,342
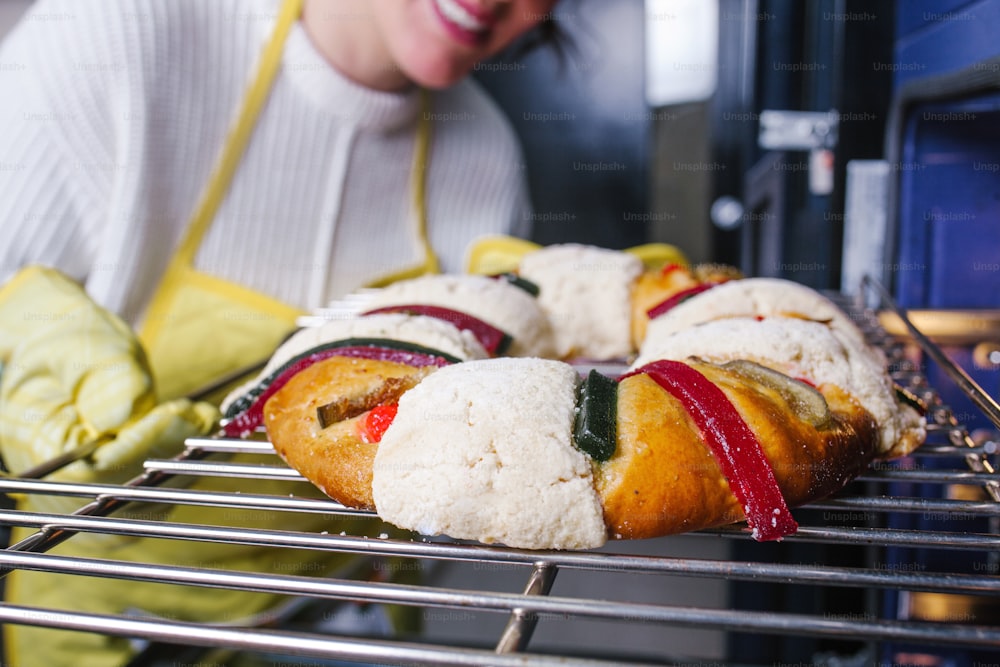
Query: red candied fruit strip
x,y
247,421
376,422
676,299
733,445
493,340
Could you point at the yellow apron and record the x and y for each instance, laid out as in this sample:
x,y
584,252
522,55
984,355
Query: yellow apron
x,y
191,309
197,329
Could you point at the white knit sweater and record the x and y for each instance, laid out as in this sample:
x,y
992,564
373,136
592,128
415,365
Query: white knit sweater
x,y
113,112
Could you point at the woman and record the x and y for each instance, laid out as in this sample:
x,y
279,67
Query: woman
x,y
200,207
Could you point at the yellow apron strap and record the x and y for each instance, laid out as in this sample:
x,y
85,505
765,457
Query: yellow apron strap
x,y
421,160
218,186
418,186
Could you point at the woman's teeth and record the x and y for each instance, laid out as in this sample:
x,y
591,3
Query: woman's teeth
x,y
460,16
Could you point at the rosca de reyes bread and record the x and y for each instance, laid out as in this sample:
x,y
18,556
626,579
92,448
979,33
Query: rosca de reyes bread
x,y
661,289
401,328
600,300
754,297
502,302
353,370
663,479
745,398
323,396
326,422
490,451
587,293
794,330
487,454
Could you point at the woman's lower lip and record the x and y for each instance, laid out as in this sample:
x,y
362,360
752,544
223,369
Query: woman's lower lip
x,y
459,33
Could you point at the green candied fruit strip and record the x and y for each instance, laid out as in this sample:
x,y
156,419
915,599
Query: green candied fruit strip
x,y
806,401
244,402
595,431
517,281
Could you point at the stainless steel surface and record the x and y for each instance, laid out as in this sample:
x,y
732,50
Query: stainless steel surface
x,y
59,462
782,130
853,519
983,400
944,327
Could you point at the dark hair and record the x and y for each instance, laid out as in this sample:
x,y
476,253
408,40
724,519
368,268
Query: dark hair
x,y
547,34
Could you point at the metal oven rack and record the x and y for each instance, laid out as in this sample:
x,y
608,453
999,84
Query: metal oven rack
x,y
534,606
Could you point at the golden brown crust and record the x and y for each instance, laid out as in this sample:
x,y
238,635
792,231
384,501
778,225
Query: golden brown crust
x,y
911,436
653,288
335,458
716,273
663,479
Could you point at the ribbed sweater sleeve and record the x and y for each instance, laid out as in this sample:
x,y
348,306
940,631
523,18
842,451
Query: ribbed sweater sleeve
x,y
57,146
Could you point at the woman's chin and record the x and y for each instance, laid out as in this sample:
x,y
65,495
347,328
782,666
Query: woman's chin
x,y
436,75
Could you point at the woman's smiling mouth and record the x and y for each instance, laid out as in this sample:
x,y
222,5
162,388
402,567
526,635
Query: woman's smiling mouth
x,y
462,22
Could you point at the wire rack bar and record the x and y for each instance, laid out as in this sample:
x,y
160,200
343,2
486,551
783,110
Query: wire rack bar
x,y
47,538
60,524
734,620
985,402
279,473
887,576
881,537
926,475
960,508
936,506
531,606
224,469
286,643
178,496
521,626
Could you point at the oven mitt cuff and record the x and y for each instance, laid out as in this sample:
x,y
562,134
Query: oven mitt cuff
x,y
75,374
492,255
160,433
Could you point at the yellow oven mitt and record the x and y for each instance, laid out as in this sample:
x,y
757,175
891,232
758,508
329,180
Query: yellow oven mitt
x,y
491,255
74,373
